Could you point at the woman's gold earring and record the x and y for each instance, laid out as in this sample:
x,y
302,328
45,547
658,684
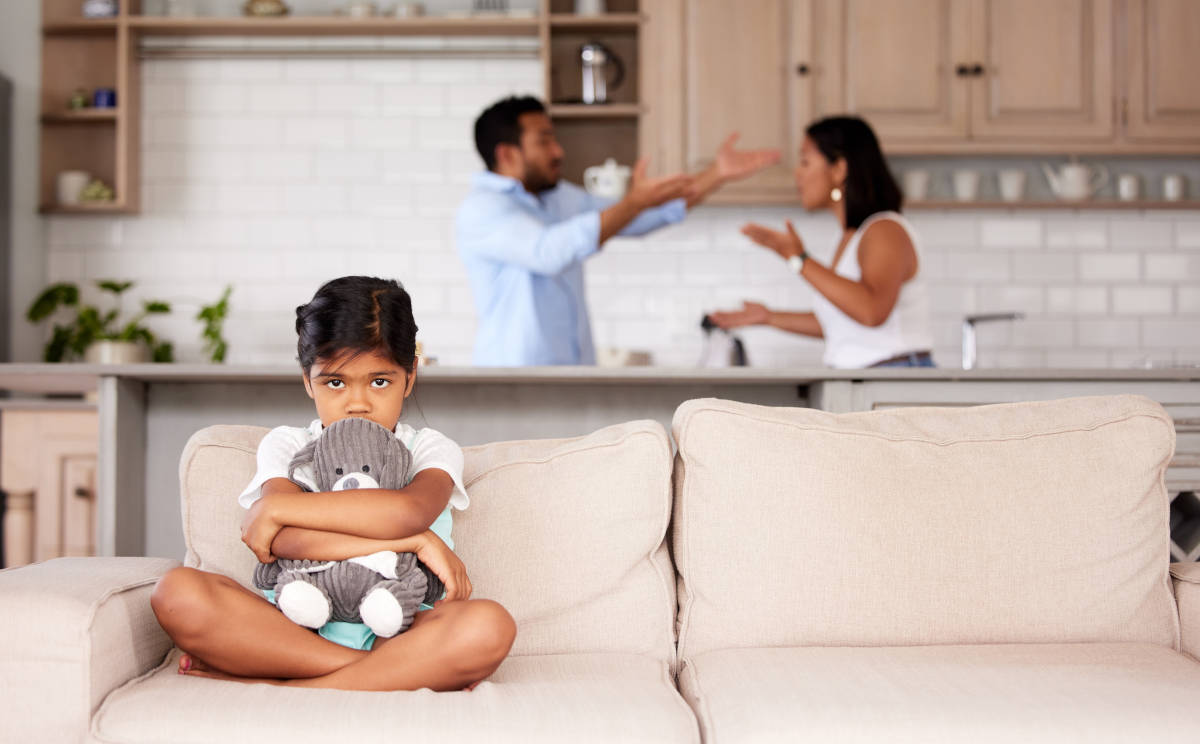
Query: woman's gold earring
x,y
836,194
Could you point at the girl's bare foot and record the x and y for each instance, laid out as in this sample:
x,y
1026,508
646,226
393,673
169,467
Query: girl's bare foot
x,y
194,667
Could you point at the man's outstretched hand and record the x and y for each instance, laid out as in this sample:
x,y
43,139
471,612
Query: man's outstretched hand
x,y
734,165
645,192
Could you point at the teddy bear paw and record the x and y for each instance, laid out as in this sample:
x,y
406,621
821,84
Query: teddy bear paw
x,y
382,613
304,604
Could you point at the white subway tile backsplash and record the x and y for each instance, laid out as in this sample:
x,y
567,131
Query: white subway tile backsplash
x,y
1109,267
1011,232
1043,267
1107,333
1076,300
328,132
276,175
1187,234
1140,234
1141,300
1172,267
1174,333
1083,232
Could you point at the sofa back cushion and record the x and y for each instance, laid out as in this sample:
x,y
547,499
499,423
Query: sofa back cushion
x,y
1023,523
567,534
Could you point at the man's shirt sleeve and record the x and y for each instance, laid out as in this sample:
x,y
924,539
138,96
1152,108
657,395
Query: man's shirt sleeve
x,y
508,234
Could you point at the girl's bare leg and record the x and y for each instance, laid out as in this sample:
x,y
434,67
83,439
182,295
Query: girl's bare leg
x,y
230,629
450,647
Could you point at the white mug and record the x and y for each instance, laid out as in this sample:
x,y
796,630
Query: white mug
x,y
589,7
916,185
1173,187
607,181
70,186
1129,187
966,185
1012,184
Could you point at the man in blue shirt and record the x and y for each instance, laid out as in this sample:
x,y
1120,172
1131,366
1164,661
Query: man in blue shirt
x,y
524,234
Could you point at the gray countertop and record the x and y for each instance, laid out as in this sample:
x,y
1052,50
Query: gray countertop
x,y
84,378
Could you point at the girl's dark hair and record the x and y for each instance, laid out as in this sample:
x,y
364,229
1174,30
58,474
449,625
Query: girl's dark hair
x,y
357,314
870,186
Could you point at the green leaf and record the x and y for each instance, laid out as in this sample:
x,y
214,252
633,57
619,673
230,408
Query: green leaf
x,y
164,352
156,306
57,345
108,285
53,297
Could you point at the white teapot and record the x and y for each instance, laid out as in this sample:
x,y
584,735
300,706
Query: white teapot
x,y
1075,181
607,181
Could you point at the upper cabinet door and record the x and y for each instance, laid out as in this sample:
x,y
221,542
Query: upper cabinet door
x,y
1045,70
894,63
748,69
1163,50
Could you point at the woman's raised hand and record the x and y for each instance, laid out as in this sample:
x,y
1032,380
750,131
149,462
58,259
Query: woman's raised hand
x,y
446,566
752,313
786,244
734,165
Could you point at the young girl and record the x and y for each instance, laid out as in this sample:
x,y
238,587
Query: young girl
x,y
357,350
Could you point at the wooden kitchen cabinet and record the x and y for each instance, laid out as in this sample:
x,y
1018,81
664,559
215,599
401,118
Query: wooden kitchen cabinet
x,y
726,67
1161,54
48,468
930,73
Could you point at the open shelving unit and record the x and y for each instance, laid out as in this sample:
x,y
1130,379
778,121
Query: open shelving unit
x,y
86,53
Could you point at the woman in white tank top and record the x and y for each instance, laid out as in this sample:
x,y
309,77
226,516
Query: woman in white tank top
x,y
871,307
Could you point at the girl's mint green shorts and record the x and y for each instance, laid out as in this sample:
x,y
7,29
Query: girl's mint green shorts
x,y
350,635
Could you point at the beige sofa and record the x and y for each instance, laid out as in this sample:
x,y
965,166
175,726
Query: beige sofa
x,y
989,574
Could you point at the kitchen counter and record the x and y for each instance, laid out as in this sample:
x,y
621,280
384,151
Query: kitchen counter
x,y
148,411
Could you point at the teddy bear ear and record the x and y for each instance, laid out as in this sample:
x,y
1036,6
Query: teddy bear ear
x,y
305,456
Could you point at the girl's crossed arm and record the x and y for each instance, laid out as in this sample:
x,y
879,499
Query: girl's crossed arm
x,y
375,513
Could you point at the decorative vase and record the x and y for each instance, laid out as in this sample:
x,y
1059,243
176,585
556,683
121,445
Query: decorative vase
x,y
116,352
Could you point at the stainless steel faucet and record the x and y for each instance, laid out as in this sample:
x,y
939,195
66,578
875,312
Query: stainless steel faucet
x,y
968,333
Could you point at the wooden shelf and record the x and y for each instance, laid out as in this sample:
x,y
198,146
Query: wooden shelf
x,y
113,207
1087,204
81,26
336,26
82,116
607,22
595,111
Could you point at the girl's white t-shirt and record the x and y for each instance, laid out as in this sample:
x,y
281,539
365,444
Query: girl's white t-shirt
x,y
430,449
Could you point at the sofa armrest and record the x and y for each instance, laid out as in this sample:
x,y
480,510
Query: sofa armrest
x,y
1185,580
71,631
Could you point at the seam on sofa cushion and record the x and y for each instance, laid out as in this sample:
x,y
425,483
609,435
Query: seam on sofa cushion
x,y
1188,573
700,709
658,435
186,467
94,726
668,678
939,443
87,636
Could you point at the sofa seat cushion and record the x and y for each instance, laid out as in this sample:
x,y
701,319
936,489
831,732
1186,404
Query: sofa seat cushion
x,y
1120,692
560,698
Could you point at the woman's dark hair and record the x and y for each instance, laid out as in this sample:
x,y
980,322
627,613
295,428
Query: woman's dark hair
x,y
357,314
870,186
500,123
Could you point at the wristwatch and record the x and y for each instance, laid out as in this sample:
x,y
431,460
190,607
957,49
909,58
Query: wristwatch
x,y
796,263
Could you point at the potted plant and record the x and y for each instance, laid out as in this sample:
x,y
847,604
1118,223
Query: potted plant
x,y
213,318
97,336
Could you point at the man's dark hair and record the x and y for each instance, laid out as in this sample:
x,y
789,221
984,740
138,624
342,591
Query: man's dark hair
x,y
500,124
870,186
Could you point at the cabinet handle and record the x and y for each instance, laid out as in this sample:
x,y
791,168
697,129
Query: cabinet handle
x,y
802,69
962,70
977,70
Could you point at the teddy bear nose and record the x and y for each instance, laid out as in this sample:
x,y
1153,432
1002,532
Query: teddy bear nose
x,y
350,482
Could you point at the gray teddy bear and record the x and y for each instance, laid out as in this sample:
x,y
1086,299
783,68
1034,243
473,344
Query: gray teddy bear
x,y
382,590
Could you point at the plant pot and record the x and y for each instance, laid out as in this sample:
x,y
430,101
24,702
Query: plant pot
x,y
116,352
